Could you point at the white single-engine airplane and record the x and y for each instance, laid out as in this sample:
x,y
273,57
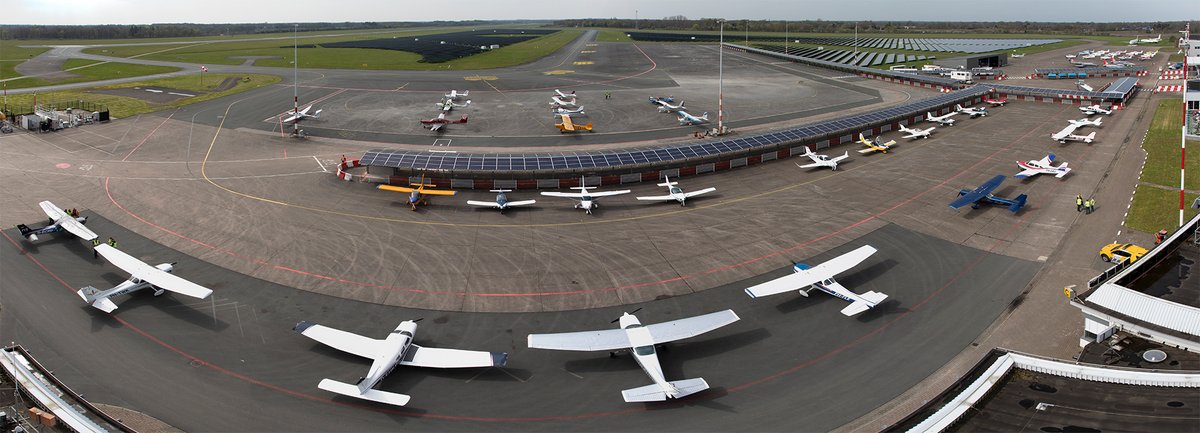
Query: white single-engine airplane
x,y
501,202
676,193
386,354
943,119
1085,122
587,201
973,112
1094,109
686,118
641,339
561,111
1042,166
917,132
447,104
59,221
805,278
298,115
142,276
557,102
1068,133
821,160
666,107
565,96
454,94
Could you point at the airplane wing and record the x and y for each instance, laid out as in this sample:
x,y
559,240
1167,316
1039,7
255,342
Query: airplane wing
x,y
291,118
67,222
436,126
816,274
520,203
978,193
437,191
483,203
690,327
395,188
608,339
609,193
341,340
815,164
418,356
563,194
691,194
1026,173
870,148
657,198
142,271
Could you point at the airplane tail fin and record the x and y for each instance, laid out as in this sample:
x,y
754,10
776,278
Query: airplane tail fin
x,y
869,300
370,394
317,114
27,232
1098,121
1018,203
1089,137
89,295
654,392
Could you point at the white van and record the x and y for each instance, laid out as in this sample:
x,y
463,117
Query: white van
x,y
964,76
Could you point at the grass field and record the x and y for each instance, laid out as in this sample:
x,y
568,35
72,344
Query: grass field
x,y
1162,148
121,106
343,58
1156,208
91,70
11,55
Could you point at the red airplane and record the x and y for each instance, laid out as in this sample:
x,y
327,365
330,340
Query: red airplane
x,y
436,124
996,102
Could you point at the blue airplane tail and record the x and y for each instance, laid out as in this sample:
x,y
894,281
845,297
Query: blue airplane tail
x,y
1018,203
25,230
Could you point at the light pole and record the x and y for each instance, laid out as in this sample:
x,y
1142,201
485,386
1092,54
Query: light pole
x,y
785,37
721,81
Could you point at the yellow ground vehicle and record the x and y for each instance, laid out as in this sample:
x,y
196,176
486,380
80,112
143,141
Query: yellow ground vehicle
x,y
1122,252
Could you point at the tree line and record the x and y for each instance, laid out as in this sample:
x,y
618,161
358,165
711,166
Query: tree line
x,y
141,31
680,22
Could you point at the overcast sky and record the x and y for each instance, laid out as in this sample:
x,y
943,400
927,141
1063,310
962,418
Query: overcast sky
x,y
242,11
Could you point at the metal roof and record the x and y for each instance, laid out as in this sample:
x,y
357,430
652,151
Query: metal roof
x,y
1122,86
1147,308
1088,70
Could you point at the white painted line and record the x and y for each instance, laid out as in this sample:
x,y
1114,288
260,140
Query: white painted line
x,y
320,164
154,91
180,94
444,151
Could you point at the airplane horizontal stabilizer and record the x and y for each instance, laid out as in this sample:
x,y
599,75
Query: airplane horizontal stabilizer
x,y
654,392
869,300
1018,203
89,295
371,394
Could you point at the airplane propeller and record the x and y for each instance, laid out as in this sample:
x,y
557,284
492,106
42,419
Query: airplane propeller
x,y
631,312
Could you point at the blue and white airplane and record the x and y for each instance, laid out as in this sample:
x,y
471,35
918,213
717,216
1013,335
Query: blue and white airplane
x,y
59,221
983,194
686,118
805,278
501,202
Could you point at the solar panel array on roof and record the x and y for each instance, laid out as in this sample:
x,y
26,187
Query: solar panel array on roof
x,y
1049,93
968,45
1122,86
610,159
852,68
1088,70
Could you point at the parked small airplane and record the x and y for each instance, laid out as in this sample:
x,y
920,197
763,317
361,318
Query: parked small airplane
x,y
1086,122
565,96
454,94
418,196
59,221
397,349
587,201
1016,56
501,202
660,99
1083,85
437,123
983,194
1068,134
874,145
565,125
142,276
640,341
560,111
996,102
686,118
447,104
1095,109
821,160
298,115
557,102
943,119
666,107
973,111
917,133
1083,64
1042,166
676,193
1069,56
805,278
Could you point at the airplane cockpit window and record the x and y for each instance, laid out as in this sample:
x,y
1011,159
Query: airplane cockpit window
x,y
644,350
676,190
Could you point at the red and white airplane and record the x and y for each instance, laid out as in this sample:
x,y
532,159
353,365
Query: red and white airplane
x,y
437,123
1042,166
996,102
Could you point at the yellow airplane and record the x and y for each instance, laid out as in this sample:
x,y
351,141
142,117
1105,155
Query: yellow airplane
x,y
418,195
873,146
568,126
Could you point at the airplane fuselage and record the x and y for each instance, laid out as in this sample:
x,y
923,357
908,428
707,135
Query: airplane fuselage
x,y
390,353
644,353
828,285
587,203
133,284
50,229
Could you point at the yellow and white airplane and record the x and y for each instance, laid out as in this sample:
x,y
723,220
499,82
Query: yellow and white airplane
x,y
875,145
417,196
568,126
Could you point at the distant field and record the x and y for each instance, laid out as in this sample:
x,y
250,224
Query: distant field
x,y
12,55
121,106
87,72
